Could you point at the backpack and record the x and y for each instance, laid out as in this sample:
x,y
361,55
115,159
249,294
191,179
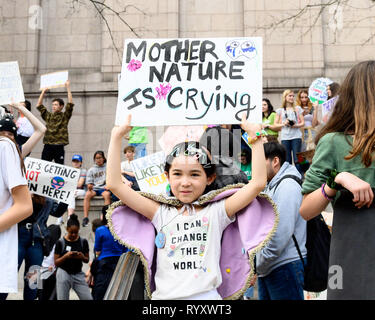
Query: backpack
x,y
318,240
62,241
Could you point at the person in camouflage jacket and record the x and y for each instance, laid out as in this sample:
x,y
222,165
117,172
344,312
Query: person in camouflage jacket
x,y
56,136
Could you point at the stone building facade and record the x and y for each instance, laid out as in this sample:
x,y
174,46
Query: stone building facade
x,y
87,39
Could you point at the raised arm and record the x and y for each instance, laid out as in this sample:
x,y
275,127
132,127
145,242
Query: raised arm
x,y
246,194
40,100
128,196
70,96
39,130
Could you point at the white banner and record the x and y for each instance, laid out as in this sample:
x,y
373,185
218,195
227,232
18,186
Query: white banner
x,y
10,83
51,179
190,81
53,80
149,173
327,108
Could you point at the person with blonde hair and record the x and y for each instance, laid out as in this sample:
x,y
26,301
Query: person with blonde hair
x,y
291,117
344,159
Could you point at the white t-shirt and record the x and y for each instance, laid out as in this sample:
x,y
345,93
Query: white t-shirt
x,y
188,265
289,133
126,166
10,177
25,128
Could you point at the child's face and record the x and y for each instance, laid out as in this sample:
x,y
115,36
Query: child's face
x,y
73,233
129,155
99,160
243,160
76,164
187,179
56,107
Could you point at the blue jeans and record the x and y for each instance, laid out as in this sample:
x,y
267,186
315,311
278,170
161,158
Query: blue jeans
x,y
283,283
32,252
292,147
140,150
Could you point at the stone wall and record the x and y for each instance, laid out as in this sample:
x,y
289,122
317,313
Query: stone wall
x,y
72,35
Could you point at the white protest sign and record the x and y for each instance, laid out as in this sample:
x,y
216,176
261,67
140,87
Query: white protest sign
x,y
190,81
53,80
51,180
10,83
318,90
176,134
149,173
327,108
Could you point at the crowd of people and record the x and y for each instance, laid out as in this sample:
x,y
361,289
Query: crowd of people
x,y
272,161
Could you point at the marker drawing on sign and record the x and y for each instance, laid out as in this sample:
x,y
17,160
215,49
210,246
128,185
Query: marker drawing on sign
x,y
190,81
134,65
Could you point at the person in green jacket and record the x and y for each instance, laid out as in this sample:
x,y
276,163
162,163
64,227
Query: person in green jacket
x,y
344,158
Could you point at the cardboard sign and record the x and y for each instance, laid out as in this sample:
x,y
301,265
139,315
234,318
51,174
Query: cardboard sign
x,y
190,81
318,90
246,138
51,180
10,83
53,80
149,173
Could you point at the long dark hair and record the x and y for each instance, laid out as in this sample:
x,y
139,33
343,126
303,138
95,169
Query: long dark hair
x,y
334,87
101,153
354,111
269,109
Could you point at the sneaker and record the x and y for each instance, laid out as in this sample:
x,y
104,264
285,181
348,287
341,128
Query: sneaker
x,y
85,222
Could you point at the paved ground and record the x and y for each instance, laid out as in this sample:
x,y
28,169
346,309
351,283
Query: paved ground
x,y
84,232
88,234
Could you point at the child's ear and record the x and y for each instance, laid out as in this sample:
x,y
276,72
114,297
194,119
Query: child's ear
x,y
166,173
211,179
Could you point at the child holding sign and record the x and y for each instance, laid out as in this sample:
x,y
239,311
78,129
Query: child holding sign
x,y
15,205
188,271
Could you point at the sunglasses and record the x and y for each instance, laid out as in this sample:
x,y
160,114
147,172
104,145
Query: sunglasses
x,y
189,149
